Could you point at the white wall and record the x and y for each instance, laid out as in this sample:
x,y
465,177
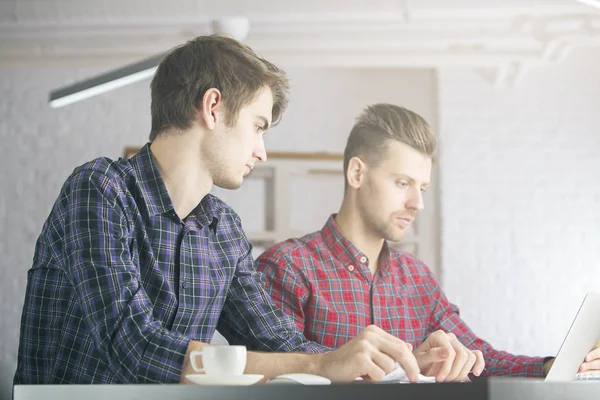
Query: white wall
x,y
41,146
520,196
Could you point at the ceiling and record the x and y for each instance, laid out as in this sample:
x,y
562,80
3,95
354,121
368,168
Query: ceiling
x,y
502,37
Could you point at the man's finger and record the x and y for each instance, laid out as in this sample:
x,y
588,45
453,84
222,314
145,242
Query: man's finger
x,y
394,347
446,367
373,372
381,339
434,370
408,361
589,366
441,339
461,358
383,361
479,364
397,350
464,372
433,356
593,355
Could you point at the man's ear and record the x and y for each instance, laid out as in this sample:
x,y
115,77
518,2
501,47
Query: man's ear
x,y
356,172
210,111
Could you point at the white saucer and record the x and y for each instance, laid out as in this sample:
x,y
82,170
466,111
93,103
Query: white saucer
x,y
224,380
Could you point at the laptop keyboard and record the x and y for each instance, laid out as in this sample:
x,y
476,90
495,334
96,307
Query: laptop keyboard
x,y
588,376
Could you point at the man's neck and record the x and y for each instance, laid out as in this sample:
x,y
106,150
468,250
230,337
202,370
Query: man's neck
x,y
352,226
186,177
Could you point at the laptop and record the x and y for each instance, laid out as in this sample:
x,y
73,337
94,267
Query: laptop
x,y
581,338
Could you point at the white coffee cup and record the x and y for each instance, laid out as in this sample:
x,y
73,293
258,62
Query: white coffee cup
x,y
220,360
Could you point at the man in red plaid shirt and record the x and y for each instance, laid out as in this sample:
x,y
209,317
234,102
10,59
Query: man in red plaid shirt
x,y
338,280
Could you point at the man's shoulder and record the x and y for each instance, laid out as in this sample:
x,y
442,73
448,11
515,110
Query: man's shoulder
x,y
294,248
410,263
95,186
102,170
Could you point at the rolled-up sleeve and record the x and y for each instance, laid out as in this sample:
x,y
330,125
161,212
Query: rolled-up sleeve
x,y
106,281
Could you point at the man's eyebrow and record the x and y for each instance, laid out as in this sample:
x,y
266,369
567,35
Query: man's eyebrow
x,y
401,175
409,178
265,122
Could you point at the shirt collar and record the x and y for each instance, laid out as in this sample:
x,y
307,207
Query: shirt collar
x,y
337,243
156,196
346,252
152,186
206,213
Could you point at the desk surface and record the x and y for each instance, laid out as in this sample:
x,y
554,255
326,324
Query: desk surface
x,y
493,389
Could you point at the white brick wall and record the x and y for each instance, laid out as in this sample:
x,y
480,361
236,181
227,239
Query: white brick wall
x,y
521,200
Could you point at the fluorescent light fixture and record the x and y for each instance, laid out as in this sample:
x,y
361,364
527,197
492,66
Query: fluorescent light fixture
x,y
106,82
591,3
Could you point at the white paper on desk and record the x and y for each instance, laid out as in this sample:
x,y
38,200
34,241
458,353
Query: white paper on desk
x,y
399,376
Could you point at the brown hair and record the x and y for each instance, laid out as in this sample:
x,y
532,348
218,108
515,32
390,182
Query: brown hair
x,y
381,122
206,62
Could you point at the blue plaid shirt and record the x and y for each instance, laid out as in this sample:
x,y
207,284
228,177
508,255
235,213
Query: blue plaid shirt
x,y
120,285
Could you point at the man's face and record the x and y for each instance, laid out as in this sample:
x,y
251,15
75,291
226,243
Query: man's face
x,y
241,146
391,193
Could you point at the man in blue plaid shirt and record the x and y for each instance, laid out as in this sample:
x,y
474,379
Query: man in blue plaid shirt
x,y
137,264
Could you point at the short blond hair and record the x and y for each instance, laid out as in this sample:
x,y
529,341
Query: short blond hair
x,y
381,122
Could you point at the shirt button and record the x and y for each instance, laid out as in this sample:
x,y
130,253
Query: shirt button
x,y
184,285
350,268
363,259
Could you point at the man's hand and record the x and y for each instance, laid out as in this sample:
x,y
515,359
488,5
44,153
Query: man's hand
x,y
592,360
370,355
443,356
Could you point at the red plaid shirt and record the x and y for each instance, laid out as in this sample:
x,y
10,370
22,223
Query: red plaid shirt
x,y
324,283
